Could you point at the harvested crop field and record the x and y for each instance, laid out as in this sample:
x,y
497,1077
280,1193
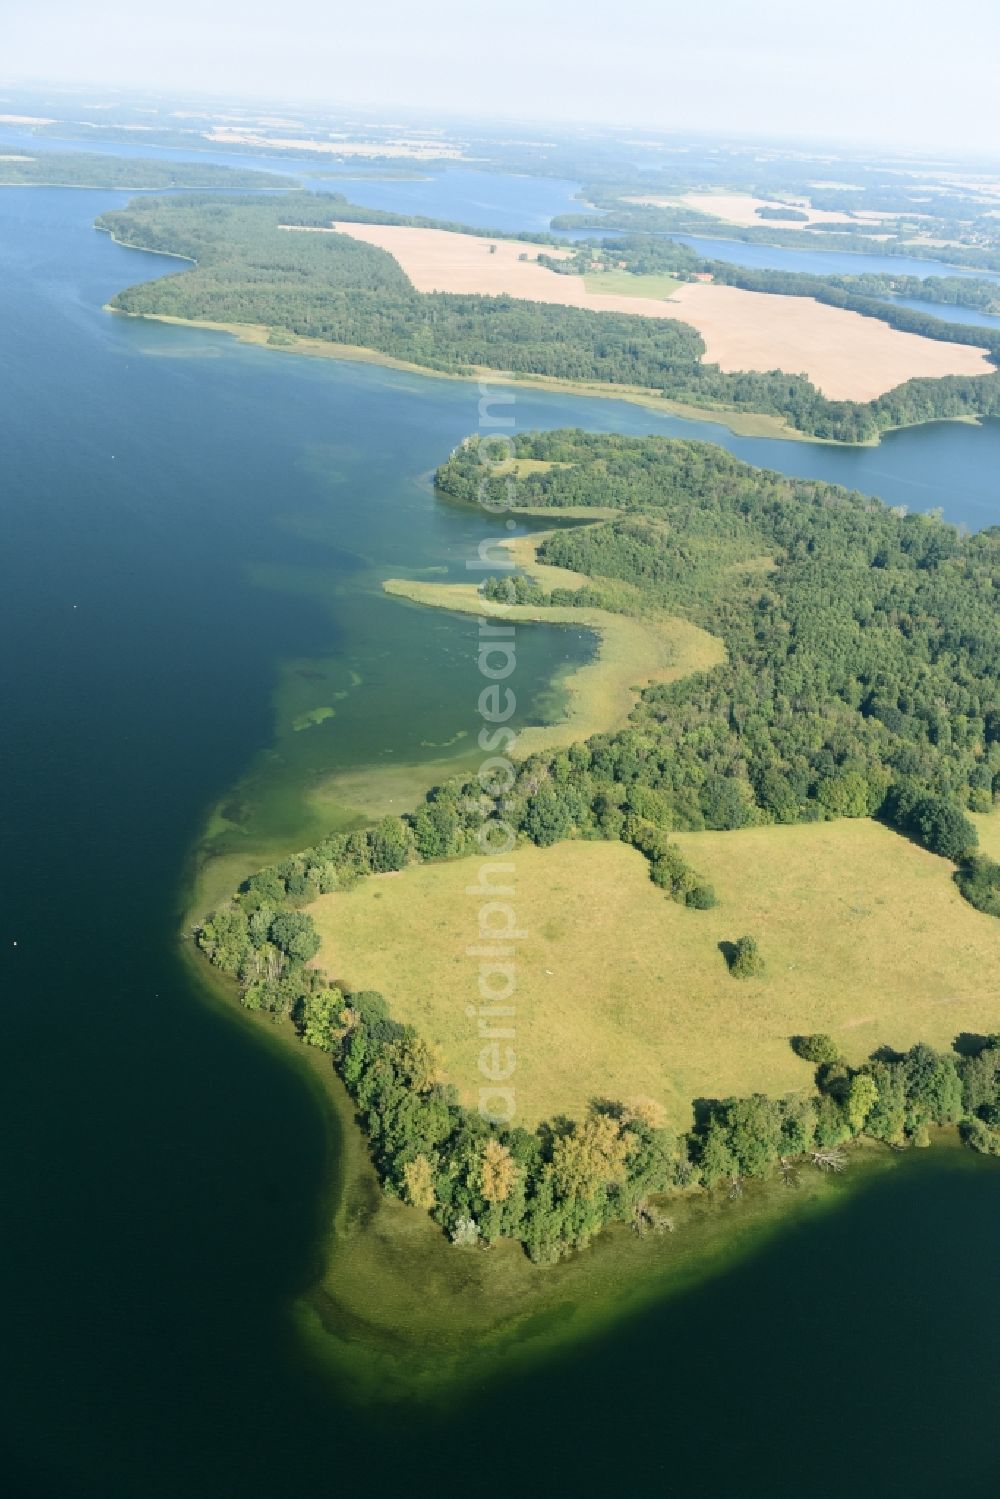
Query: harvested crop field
x,y
847,357
741,209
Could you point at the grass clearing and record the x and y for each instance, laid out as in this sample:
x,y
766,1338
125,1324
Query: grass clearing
x,y
988,827
622,993
627,284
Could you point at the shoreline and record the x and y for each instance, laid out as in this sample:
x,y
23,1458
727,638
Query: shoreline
x,y
485,1315
740,424
259,335
632,651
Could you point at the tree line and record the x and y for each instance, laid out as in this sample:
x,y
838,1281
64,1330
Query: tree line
x,y
250,268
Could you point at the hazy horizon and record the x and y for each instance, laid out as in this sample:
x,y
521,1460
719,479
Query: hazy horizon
x,y
862,75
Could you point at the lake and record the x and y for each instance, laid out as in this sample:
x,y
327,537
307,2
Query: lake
x,y
194,538
823,262
971,316
484,200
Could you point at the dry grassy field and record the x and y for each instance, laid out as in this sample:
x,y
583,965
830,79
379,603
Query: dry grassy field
x,y
409,149
847,357
741,209
988,827
623,993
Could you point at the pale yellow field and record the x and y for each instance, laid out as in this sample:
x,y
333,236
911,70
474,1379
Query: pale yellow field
x,y
741,209
620,992
417,150
847,357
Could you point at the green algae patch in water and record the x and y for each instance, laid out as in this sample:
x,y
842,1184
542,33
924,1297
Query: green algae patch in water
x,y
401,1314
312,718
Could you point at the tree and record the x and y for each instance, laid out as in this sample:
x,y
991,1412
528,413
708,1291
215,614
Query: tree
x,y
547,818
391,843
846,795
745,961
418,1183
724,804
265,886
985,1138
979,882
716,1162
862,1095
944,828
701,897
319,1015
497,1172
593,1156
226,938
418,1063
981,1079
755,1133
887,1119
817,1048
295,933
933,1087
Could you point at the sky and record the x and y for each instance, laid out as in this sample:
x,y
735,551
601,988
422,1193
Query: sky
x,y
869,71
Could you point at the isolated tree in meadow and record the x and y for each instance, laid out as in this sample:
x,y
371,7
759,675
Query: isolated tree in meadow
x,y
745,961
818,1048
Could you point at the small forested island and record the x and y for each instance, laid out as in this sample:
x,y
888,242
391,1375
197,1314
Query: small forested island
x,y
860,680
253,273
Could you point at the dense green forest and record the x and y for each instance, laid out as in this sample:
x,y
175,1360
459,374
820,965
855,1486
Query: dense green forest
x,y
90,169
862,679
946,291
864,665
250,269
